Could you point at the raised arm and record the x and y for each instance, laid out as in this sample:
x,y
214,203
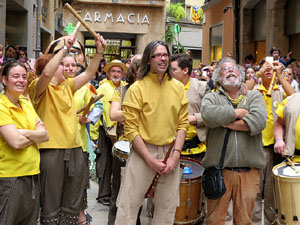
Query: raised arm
x,y
287,87
51,67
92,68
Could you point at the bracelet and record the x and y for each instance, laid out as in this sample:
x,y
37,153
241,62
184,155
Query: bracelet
x,y
175,149
279,139
258,73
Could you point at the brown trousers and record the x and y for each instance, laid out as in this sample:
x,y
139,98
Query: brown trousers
x,y
19,200
62,185
138,177
241,188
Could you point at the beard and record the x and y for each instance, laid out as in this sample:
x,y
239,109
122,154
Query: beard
x,y
116,80
229,83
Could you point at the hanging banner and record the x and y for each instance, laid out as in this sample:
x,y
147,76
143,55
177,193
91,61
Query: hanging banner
x,y
196,14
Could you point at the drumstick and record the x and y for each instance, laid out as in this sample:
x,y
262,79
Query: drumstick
x,y
150,192
92,32
292,164
95,99
75,31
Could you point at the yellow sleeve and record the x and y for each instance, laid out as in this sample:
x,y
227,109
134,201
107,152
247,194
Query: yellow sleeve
x,y
183,122
131,110
280,109
131,122
32,90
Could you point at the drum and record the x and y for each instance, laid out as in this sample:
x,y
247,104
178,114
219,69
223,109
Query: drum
x,y
287,193
190,208
121,150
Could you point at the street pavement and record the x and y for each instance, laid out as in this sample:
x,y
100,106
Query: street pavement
x,y
99,212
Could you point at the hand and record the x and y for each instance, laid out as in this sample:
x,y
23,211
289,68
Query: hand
x,y
192,119
278,67
157,165
288,56
100,44
39,125
171,165
83,119
69,41
240,113
266,66
279,147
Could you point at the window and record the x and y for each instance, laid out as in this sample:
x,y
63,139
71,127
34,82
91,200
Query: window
x,y
216,41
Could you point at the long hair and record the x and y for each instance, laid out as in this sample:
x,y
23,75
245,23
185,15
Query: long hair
x,y
148,52
132,71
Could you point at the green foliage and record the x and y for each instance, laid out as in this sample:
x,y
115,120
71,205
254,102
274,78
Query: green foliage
x,y
169,34
176,11
201,15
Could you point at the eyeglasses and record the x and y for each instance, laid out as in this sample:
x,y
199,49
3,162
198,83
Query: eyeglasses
x,y
227,68
160,55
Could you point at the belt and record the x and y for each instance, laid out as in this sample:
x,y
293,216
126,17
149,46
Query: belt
x,y
238,169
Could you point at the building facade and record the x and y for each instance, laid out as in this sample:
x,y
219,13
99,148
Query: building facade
x,y
190,36
30,24
250,27
127,25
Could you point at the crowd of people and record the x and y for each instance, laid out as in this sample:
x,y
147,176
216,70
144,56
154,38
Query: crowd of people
x,y
53,122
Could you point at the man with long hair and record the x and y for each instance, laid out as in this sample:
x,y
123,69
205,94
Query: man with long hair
x,y
156,111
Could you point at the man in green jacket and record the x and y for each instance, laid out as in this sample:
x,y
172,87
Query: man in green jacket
x,y
245,114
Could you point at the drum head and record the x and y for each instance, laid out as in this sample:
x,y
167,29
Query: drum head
x,y
285,170
195,166
123,146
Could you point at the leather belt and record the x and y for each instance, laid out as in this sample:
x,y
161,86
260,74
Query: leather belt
x,y
238,169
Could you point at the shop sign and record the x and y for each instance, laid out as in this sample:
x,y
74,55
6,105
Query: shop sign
x,y
131,18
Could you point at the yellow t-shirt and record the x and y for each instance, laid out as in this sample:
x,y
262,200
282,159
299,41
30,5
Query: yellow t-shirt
x,y
18,162
107,89
56,108
116,96
155,110
81,98
191,133
279,112
268,132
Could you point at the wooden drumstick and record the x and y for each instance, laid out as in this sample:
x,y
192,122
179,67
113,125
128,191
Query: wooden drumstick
x,y
292,164
87,106
78,24
78,17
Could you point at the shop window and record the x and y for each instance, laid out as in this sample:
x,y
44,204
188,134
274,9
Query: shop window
x,y
115,49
